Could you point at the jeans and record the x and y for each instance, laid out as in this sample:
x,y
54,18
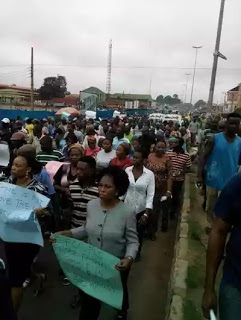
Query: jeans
x,y
229,302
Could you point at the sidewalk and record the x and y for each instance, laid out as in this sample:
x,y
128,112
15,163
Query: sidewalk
x,y
190,255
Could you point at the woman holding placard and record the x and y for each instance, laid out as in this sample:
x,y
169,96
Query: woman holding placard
x,y
20,256
111,227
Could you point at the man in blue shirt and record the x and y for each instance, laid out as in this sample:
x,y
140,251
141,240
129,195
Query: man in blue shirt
x,y
228,219
119,139
220,160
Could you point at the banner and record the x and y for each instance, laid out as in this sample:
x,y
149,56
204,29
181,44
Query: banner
x,y
18,222
90,269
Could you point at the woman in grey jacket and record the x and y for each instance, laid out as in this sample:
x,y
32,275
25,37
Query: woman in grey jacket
x,y
111,227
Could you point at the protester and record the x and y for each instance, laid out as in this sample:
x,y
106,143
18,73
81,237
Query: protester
x,y
128,135
34,140
71,128
146,140
70,140
115,234
119,138
66,175
29,126
47,152
90,131
92,149
159,163
39,173
22,175
105,155
141,192
220,161
193,127
180,165
226,227
6,305
82,190
122,160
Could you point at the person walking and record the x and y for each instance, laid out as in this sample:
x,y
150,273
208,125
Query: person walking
x,y
82,190
47,152
193,127
180,165
226,227
119,138
66,175
111,227
122,159
159,163
105,155
20,256
140,193
220,161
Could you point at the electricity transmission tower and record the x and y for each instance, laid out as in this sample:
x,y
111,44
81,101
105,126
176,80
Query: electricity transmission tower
x,y
109,66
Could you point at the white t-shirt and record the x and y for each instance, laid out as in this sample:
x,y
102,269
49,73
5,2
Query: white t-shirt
x,y
103,158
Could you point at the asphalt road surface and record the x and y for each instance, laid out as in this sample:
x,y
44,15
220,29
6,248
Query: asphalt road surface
x,y
148,285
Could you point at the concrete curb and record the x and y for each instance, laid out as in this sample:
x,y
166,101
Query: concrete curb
x,y
177,285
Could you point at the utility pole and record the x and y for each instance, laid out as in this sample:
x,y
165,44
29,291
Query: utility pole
x,y
185,95
32,81
216,55
194,70
109,69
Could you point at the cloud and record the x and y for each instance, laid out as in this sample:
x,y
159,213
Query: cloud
x,y
157,33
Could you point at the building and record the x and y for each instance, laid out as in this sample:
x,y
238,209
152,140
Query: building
x,y
15,95
101,96
69,100
233,99
134,101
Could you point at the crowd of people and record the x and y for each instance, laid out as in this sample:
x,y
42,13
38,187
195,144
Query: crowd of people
x,y
115,182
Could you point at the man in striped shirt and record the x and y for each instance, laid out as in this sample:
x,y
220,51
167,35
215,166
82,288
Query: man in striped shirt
x,y
180,164
47,152
82,190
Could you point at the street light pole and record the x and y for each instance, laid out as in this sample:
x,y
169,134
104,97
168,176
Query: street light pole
x,y
216,55
185,96
194,70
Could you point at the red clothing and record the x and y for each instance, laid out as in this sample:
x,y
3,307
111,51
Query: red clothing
x,y
92,152
121,163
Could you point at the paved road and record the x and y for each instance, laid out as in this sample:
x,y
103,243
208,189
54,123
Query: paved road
x,y
148,285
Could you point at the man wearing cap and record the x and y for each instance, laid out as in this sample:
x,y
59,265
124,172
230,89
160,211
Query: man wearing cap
x,y
5,130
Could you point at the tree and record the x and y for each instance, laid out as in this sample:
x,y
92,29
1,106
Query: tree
x,y
53,87
199,104
160,98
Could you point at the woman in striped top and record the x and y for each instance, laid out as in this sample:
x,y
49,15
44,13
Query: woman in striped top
x,y
180,163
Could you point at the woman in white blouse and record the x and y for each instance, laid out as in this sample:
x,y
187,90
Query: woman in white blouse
x,y
141,192
105,155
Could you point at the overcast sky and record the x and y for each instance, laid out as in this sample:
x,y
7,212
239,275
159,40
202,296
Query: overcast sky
x,y
71,38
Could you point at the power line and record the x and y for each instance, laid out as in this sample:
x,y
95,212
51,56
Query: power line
x,y
122,67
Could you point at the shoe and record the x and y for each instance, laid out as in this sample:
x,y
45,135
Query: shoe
x,y
65,282
122,315
39,284
26,283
